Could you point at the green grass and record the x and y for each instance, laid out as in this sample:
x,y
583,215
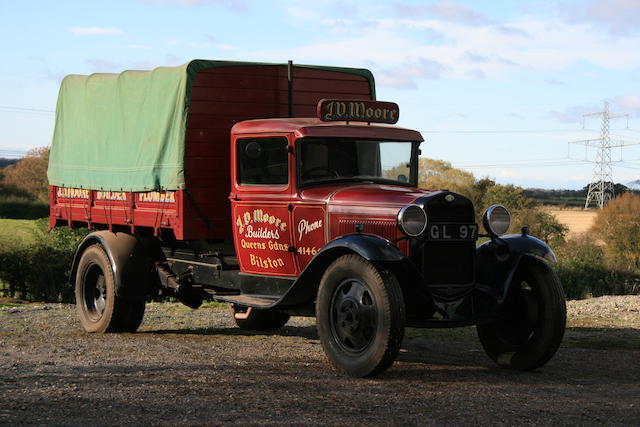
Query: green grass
x,y
17,233
22,208
23,232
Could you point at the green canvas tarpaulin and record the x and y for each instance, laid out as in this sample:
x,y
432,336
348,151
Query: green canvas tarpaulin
x,y
127,131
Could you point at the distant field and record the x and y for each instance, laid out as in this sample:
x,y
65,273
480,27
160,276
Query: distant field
x,y
578,220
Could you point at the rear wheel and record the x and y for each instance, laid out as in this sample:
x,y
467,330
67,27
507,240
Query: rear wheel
x,y
360,316
98,307
530,323
258,320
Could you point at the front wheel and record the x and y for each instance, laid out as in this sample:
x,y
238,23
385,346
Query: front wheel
x,y
530,323
360,316
99,308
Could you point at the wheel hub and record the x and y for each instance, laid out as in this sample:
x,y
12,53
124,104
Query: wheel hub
x,y
353,320
348,316
95,292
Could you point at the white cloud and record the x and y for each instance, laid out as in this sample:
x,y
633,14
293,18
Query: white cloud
x,y
102,66
445,10
573,114
135,46
235,5
464,44
302,13
628,102
101,31
404,75
555,82
616,16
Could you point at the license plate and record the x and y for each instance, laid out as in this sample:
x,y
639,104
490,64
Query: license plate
x,y
452,231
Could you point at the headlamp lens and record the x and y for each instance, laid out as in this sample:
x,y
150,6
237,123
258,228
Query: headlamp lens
x,y
412,220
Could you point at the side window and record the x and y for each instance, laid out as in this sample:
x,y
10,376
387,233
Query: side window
x,y
262,161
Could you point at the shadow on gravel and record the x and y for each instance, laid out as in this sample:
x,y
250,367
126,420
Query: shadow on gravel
x,y
289,331
603,339
587,356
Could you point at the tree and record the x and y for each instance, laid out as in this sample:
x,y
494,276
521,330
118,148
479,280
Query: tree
x,y
618,225
440,175
29,175
542,225
617,188
6,162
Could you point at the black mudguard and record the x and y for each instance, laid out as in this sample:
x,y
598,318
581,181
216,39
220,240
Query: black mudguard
x,y
130,263
498,259
370,247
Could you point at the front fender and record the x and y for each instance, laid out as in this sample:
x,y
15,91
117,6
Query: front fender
x,y
129,261
370,247
497,261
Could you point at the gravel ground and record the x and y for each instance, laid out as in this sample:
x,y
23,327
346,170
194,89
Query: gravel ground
x,y
196,367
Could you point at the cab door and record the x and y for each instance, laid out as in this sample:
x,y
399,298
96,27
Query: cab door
x,y
310,231
261,205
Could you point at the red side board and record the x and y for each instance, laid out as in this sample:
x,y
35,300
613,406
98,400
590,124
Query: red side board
x,y
154,209
220,97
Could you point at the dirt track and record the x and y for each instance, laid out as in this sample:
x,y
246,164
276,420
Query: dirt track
x,y
198,368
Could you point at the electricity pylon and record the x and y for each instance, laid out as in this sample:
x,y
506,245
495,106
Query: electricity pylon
x,y
601,186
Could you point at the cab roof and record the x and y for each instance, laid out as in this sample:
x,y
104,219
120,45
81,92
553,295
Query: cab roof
x,y
313,127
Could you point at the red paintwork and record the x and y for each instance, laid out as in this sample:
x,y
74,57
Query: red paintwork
x,y
92,207
307,127
313,216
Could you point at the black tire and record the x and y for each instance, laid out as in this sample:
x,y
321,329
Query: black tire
x,y
531,322
98,307
258,320
360,316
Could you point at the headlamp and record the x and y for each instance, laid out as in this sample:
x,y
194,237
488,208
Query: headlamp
x,y
496,220
412,220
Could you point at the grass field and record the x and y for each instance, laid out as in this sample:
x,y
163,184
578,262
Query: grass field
x,y
578,220
19,231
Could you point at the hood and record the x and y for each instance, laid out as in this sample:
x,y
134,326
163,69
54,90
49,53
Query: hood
x,y
365,195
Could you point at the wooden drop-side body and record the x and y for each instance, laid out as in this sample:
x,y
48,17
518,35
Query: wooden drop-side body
x,y
220,97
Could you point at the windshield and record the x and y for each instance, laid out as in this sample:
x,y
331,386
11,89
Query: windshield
x,y
347,159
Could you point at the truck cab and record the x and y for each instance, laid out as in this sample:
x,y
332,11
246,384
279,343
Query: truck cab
x,y
298,184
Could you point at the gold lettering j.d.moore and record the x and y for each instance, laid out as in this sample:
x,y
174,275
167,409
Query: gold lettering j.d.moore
x,y
360,111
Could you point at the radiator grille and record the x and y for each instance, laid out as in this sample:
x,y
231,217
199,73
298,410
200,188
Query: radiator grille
x,y
448,267
385,229
449,263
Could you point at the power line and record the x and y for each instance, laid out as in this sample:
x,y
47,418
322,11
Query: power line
x,y
481,131
25,110
627,167
517,166
554,159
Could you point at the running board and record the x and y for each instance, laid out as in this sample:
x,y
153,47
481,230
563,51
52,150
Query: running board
x,y
250,300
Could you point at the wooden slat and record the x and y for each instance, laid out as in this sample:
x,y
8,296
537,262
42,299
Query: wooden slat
x,y
249,70
232,108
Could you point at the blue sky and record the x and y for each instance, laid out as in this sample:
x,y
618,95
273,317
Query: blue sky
x,y
496,87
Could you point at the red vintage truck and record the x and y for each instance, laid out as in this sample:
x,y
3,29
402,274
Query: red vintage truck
x,y
284,190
